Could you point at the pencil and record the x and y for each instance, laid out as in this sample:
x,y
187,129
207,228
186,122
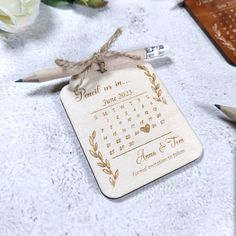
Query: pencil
x,y
57,72
230,112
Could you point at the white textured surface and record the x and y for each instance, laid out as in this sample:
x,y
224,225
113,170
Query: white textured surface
x,y
46,186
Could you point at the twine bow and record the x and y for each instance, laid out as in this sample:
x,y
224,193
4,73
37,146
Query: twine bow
x,y
97,58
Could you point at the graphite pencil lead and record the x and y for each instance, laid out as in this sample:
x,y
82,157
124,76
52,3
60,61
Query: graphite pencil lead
x,y
19,80
218,106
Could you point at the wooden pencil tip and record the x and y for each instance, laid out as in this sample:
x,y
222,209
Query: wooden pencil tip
x,y
218,106
19,80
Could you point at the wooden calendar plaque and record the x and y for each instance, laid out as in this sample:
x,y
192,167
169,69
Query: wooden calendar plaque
x,y
218,19
130,129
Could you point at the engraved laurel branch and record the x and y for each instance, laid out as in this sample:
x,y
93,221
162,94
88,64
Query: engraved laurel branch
x,y
103,163
156,88
221,38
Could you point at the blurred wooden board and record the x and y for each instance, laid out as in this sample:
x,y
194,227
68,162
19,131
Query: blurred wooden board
x,y
218,20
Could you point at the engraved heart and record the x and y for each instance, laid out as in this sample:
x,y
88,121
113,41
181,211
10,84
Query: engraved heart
x,y
146,128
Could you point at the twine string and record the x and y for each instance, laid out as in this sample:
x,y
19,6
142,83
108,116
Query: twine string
x,y
98,58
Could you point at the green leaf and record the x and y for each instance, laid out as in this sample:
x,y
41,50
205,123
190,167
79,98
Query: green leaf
x,y
57,3
92,3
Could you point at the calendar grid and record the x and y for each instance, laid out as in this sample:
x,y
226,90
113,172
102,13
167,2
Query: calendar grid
x,y
141,145
138,95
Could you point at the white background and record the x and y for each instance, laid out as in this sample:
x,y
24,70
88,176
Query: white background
x,y
46,186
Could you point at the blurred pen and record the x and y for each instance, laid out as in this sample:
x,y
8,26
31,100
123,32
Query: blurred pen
x,y
57,72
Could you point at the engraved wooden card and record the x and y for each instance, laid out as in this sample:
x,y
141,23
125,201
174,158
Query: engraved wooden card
x,y
218,19
130,129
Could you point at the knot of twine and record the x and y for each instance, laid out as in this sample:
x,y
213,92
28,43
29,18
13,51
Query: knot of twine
x,y
97,58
